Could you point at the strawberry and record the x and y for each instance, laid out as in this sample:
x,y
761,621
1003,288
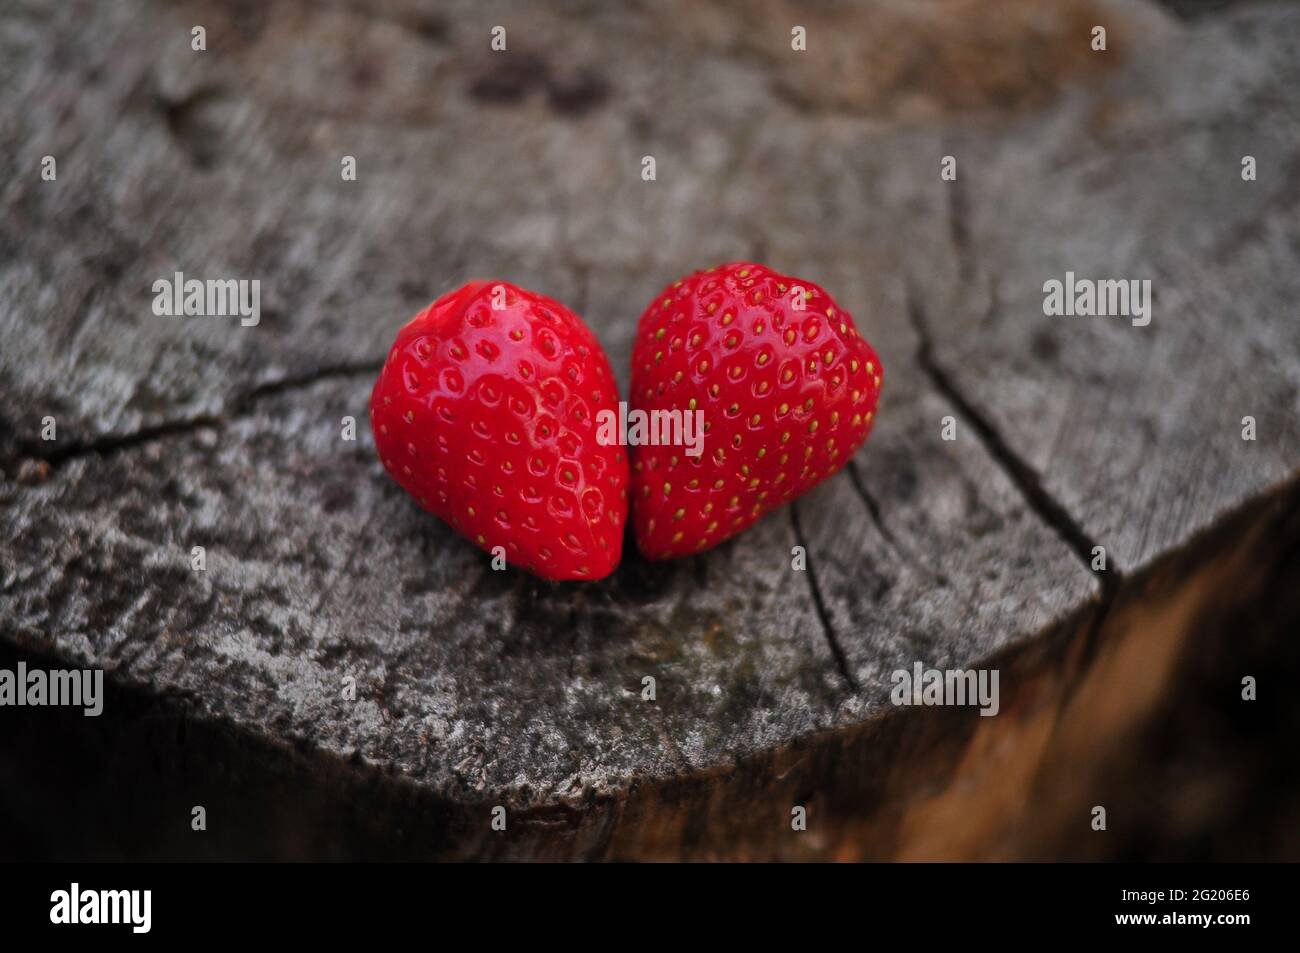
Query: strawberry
x,y
485,413
787,387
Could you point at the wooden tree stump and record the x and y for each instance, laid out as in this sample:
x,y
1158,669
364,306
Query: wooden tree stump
x,y
476,689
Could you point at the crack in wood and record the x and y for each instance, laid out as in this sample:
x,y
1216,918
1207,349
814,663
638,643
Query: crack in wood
x,y
240,407
819,604
245,404
1023,476
113,443
873,511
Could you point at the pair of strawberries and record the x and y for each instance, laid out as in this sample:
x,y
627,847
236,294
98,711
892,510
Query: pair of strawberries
x,y
488,412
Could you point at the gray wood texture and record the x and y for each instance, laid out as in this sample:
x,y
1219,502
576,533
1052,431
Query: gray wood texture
x,y
480,688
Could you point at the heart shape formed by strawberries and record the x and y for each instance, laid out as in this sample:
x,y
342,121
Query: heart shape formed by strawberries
x,y
788,392
485,412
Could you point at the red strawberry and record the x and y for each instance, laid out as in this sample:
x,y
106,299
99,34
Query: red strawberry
x,y
485,413
788,393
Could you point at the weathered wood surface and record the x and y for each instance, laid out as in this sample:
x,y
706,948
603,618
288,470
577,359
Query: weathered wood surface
x,y
477,688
